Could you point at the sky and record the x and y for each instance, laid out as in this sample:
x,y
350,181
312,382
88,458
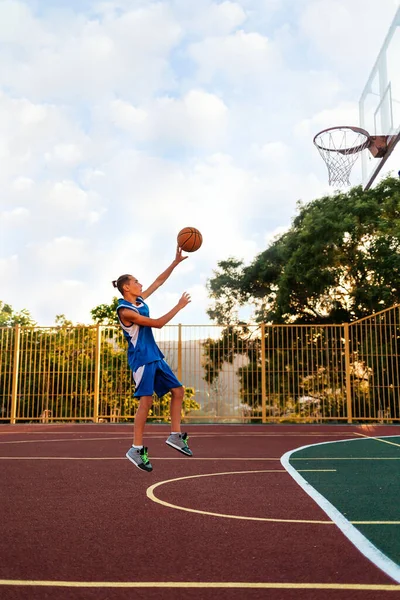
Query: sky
x,y
123,122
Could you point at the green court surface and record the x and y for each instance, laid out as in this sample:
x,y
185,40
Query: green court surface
x,y
365,487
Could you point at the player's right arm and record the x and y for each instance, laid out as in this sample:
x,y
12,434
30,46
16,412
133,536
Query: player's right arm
x,y
131,317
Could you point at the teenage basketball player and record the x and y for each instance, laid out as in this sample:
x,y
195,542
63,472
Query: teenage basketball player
x,y
151,372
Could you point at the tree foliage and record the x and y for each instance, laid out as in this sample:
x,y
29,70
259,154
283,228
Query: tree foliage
x,y
106,314
339,261
9,317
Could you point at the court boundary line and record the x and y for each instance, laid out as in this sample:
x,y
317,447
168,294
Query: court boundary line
x,y
201,584
379,439
151,495
358,539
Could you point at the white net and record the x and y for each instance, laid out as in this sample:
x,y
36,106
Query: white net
x,y
340,147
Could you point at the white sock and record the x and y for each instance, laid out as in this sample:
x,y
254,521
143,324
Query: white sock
x,y
137,447
175,432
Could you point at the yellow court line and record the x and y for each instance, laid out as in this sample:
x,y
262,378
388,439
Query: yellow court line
x,y
375,522
203,584
150,494
377,439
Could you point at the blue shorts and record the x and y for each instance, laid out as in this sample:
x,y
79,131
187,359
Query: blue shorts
x,y
155,377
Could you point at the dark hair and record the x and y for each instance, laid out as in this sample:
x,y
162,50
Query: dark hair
x,y
118,283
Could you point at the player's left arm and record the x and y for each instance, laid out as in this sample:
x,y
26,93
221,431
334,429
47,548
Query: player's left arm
x,y
164,276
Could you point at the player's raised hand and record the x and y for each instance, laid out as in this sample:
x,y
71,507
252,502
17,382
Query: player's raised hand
x,y
178,257
184,300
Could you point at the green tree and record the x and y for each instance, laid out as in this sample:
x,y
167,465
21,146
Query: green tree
x,y
106,314
9,317
339,261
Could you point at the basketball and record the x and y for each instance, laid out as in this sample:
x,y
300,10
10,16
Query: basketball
x,y
189,239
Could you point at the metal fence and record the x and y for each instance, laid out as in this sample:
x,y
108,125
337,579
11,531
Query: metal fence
x,y
252,373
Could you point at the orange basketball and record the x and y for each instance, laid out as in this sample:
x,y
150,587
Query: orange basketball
x,y
189,239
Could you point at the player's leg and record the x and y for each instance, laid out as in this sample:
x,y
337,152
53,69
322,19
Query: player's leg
x,y
144,382
141,415
176,408
164,382
176,439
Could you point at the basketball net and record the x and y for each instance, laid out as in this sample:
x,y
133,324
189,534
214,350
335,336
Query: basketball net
x,y
340,147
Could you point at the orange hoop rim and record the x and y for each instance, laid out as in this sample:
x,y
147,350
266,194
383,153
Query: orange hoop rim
x,y
352,149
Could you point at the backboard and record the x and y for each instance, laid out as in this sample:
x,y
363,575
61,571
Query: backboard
x,y
380,103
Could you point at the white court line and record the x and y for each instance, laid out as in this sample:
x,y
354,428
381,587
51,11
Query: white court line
x,y
361,542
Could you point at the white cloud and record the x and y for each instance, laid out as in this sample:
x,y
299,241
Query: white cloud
x,y
9,267
69,154
126,116
83,58
205,18
18,25
33,134
66,199
272,155
352,35
22,184
14,216
198,118
345,113
62,253
69,297
237,58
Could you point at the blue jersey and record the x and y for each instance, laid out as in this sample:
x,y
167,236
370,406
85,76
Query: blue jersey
x,y
142,347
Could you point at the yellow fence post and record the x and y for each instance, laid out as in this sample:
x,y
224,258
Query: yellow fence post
x,y
97,376
263,377
347,368
14,389
179,374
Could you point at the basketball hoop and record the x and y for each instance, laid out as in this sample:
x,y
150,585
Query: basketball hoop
x,y
340,147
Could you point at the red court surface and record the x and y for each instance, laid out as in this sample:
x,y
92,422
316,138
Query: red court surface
x,y
78,520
